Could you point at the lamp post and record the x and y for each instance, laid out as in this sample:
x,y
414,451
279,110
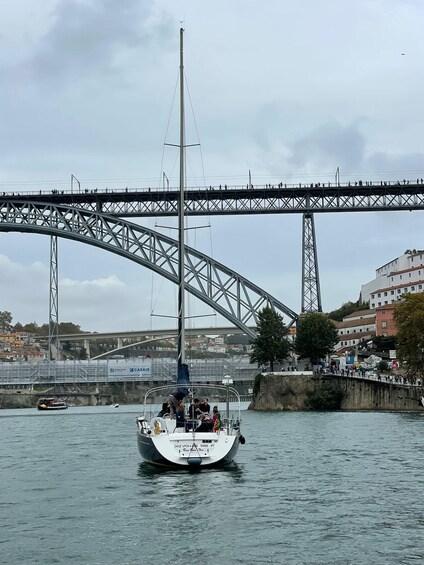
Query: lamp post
x,y
72,184
165,178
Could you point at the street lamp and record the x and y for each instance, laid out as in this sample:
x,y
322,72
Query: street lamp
x,y
165,178
72,183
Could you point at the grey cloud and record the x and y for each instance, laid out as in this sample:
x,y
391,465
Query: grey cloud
x,y
329,146
396,164
89,36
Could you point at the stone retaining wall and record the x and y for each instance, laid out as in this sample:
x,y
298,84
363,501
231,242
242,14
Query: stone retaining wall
x,y
290,392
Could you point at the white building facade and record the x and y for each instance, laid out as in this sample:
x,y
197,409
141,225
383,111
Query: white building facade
x,y
402,275
354,328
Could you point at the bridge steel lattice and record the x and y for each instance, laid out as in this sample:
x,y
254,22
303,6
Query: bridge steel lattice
x,y
239,200
224,290
311,291
53,347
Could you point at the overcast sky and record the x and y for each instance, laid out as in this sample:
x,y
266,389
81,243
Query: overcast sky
x,y
289,90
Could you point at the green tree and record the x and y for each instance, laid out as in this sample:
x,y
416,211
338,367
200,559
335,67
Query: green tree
x,y
409,318
69,328
83,353
316,337
5,320
384,342
347,308
271,344
31,327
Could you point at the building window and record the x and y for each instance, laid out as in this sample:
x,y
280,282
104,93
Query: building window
x,y
392,292
384,325
373,305
372,296
383,311
400,277
412,287
379,303
409,275
420,286
379,295
385,302
385,294
398,290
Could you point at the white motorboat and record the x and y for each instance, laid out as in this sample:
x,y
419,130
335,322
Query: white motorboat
x,y
164,440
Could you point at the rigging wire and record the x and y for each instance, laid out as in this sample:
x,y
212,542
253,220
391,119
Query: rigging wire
x,y
202,171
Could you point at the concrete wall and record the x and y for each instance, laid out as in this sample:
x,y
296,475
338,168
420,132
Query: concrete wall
x,y
289,392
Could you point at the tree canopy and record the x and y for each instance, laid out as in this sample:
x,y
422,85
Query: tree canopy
x,y
409,318
5,320
347,308
316,337
271,344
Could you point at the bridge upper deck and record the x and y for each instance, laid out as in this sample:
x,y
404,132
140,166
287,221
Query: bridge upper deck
x,y
228,199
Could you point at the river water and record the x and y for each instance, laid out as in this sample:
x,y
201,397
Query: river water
x,y
308,488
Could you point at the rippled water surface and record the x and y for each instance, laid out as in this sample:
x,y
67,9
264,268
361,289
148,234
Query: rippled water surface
x,y
308,488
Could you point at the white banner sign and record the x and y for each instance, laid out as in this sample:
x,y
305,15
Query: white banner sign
x,y
122,371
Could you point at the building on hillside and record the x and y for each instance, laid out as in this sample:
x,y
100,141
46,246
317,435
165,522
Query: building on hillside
x,y
384,320
402,275
356,327
20,346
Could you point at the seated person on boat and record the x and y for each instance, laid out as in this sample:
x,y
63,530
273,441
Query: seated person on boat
x,y
180,418
205,406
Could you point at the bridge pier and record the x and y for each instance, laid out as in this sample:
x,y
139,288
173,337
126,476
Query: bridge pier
x,y
87,347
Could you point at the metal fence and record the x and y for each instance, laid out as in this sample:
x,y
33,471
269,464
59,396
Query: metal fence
x,y
111,371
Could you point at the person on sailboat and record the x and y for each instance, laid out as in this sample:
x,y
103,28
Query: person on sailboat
x,y
193,414
164,410
194,409
174,398
216,419
180,417
205,406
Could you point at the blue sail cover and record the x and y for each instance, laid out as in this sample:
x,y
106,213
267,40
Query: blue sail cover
x,y
183,378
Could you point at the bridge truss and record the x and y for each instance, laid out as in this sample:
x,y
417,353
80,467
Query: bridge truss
x,y
293,199
224,290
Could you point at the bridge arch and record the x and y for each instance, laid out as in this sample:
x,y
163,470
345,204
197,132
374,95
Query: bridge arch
x,y
224,290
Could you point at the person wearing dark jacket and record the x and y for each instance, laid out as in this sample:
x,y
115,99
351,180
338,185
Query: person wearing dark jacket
x,y
180,417
173,399
164,410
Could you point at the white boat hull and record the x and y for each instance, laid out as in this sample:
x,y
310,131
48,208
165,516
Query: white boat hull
x,y
163,446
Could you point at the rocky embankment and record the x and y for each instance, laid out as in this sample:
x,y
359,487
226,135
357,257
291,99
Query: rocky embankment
x,y
305,391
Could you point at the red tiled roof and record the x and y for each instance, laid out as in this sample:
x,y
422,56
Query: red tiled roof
x,y
355,323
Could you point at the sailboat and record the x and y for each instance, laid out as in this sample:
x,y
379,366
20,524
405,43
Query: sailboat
x,y
202,440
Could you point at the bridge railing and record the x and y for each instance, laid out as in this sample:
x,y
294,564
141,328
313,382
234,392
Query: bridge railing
x,y
220,187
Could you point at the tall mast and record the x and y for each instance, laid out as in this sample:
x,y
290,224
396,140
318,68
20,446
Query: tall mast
x,y
181,228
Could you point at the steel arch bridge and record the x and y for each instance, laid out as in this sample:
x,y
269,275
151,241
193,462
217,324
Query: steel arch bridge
x,y
227,292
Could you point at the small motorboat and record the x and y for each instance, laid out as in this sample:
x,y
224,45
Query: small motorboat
x,y
51,403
